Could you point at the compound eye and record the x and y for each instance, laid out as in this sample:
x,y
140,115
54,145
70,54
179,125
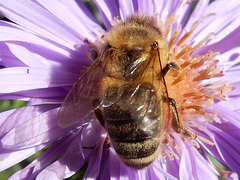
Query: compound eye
x,y
92,52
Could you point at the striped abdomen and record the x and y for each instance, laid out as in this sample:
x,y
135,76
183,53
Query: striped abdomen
x,y
133,131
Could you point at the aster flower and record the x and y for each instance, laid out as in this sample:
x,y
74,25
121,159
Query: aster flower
x,y
44,53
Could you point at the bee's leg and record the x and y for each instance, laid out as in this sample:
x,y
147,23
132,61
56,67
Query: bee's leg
x,y
176,122
169,66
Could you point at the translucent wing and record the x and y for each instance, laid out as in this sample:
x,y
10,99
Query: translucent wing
x,y
146,98
78,104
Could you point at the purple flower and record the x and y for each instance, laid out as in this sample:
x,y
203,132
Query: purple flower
x,y
43,53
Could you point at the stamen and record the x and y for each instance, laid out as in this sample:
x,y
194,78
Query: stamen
x,y
179,79
175,35
194,95
196,109
115,21
195,143
207,73
193,88
184,65
183,52
183,3
203,42
199,63
171,155
206,141
168,25
187,35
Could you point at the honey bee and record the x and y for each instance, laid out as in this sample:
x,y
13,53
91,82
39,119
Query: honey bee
x,y
125,89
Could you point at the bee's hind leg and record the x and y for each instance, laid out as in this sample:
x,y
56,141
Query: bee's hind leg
x,y
176,124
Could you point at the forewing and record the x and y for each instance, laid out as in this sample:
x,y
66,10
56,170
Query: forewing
x,y
146,98
78,104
